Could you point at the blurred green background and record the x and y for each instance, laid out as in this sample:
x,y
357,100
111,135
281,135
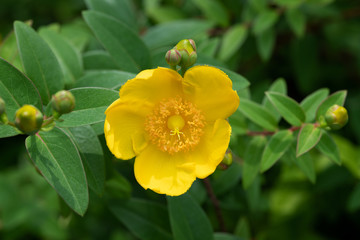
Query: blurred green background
x,y
316,47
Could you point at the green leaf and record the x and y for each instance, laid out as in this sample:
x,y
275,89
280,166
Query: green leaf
x,y
226,180
252,160
276,147
304,162
104,78
9,50
242,228
188,220
90,106
264,21
98,60
16,90
309,136
78,33
122,10
123,44
92,156
258,114
225,236
232,41
239,82
67,55
238,123
7,131
208,47
213,10
296,20
329,148
312,102
335,98
146,220
117,187
353,203
289,109
278,86
40,63
168,34
265,43
55,155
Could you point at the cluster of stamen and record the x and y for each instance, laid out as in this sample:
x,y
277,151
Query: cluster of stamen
x,y
175,125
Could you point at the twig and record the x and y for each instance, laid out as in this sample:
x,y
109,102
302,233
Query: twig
x,y
216,204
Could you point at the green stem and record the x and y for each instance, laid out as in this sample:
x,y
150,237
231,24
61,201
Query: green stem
x,y
47,121
269,133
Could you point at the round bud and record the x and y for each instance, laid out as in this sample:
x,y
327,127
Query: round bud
x,y
173,57
187,49
227,161
63,102
336,117
2,106
28,119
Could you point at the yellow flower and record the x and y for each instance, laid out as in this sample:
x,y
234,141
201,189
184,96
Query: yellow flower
x,y
174,126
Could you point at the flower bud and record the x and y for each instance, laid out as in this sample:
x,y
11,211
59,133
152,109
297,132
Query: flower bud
x,y
3,117
63,102
173,57
28,119
187,49
227,160
2,106
336,117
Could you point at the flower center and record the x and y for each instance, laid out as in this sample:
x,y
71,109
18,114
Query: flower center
x,y
175,125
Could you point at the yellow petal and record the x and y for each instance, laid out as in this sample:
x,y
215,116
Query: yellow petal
x,y
212,147
211,90
164,173
153,85
124,127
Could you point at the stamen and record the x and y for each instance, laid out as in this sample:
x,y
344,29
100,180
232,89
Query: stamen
x,y
175,116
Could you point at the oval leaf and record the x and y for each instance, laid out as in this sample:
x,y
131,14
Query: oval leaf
x,y
67,55
90,105
123,44
335,98
252,160
304,162
40,63
265,43
146,220
276,147
278,86
92,156
329,148
265,20
106,78
121,10
98,60
55,155
239,82
258,114
309,136
16,90
289,109
188,220
312,102
214,11
232,41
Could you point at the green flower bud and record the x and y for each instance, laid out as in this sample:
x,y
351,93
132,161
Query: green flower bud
x,y
336,117
63,102
2,106
3,117
28,119
227,160
187,49
173,57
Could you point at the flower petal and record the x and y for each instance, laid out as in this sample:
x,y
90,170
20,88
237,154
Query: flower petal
x,y
153,85
212,147
211,90
124,128
164,173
